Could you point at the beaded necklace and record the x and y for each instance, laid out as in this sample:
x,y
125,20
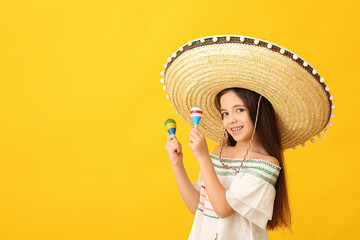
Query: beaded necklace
x,y
247,151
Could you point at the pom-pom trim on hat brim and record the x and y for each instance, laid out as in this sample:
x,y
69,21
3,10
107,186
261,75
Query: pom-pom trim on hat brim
x,y
204,68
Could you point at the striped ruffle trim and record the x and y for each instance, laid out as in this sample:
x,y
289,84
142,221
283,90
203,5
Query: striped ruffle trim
x,y
207,215
257,167
205,206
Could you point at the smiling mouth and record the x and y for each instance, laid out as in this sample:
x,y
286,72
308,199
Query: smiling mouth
x,y
236,129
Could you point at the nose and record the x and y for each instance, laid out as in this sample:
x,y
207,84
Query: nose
x,y
232,118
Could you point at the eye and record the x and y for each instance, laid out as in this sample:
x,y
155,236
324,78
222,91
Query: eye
x,y
224,114
240,109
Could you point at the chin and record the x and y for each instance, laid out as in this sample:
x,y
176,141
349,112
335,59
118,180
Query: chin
x,y
240,138
237,139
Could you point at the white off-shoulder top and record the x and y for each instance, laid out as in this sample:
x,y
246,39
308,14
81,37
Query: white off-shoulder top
x,y
251,193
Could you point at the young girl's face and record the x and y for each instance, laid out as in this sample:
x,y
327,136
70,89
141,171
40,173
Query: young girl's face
x,y
236,117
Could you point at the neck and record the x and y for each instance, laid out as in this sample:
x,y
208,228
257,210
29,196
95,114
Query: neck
x,y
242,146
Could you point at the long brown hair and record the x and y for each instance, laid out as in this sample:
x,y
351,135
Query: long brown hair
x,y
269,137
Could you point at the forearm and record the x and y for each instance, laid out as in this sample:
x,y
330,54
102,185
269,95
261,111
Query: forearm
x,y
214,189
187,190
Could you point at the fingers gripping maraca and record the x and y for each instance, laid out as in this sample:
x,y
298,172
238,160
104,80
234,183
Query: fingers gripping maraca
x,y
173,146
195,114
197,141
170,126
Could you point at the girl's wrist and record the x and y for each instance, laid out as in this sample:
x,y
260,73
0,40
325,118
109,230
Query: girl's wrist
x,y
178,164
204,159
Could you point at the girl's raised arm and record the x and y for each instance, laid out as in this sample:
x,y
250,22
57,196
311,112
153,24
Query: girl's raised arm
x,y
187,190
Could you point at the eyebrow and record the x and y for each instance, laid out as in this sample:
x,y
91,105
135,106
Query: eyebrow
x,y
237,105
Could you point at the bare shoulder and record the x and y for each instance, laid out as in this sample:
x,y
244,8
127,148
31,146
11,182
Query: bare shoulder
x,y
271,159
228,151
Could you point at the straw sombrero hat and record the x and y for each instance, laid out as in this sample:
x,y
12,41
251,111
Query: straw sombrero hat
x,y
200,69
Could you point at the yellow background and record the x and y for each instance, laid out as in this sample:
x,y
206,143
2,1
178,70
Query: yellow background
x,y
82,115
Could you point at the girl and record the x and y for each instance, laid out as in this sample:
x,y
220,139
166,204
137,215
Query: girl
x,y
241,191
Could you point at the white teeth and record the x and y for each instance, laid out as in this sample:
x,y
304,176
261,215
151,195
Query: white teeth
x,y
238,128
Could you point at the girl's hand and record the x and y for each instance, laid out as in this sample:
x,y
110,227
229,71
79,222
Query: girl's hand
x,y
197,143
173,149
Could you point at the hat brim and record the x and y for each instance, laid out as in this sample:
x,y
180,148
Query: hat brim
x,y
198,74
